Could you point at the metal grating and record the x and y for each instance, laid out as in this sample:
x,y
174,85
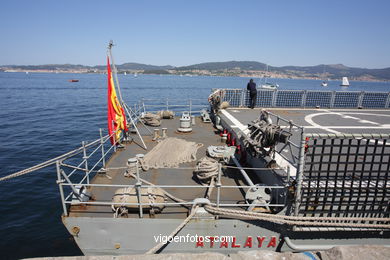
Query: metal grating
x,y
318,98
264,98
308,98
346,177
289,98
346,99
374,100
233,96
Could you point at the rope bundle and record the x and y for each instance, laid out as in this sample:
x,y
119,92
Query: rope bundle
x,y
206,168
151,119
169,153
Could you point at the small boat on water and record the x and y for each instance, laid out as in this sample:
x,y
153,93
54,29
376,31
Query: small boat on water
x,y
73,80
345,82
268,85
324,82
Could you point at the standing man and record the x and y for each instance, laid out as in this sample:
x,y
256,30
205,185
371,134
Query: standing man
x,y
252,93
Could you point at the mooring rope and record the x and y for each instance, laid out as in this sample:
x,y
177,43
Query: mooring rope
x,y
173,234
50,162
300,221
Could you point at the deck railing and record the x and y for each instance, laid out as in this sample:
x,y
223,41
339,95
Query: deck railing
x,y
309,98
74,183
191,105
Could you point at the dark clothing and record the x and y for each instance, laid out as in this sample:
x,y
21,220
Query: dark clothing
x,y
251,87
252,93
253,96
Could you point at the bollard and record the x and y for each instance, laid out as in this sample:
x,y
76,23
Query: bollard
x,y
164,132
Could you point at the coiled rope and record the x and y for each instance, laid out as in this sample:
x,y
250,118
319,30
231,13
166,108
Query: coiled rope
x,y
151,119
206,168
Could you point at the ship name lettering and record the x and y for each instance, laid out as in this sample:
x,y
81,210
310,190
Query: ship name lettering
x,y
248,243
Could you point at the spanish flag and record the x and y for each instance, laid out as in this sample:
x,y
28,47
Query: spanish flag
x,y
116,115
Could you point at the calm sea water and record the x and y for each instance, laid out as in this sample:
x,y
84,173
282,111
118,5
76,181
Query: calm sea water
x,y
44,115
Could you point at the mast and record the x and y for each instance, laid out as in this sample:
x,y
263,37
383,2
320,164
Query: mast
x,y
110,44
123,104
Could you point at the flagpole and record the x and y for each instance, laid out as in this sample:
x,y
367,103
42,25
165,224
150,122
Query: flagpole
x,y
123,104
111,43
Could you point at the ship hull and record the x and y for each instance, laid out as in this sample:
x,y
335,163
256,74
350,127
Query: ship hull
x,y
122,236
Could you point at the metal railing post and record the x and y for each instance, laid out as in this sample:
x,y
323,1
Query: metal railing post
x,y
218,184
114,137
85,157
190,106
242,97
139,195
143,105
300,169
59,182
387,105
304,96
332,99
102,144
274,97
167,105
360,99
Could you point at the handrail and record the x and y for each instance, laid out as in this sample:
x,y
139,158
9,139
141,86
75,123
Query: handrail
x,y
175,186
309,98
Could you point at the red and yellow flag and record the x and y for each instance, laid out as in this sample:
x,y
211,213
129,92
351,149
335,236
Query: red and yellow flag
x,y
116,115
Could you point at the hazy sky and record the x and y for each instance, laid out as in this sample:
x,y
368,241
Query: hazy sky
x,y
291,32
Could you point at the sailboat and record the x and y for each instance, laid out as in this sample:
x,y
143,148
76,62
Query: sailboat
x,y
345,82
324,82
268,85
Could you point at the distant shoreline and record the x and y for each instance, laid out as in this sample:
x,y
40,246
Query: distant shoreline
x,y
244,74
252,69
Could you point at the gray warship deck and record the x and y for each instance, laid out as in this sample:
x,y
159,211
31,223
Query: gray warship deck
x,y
202,133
